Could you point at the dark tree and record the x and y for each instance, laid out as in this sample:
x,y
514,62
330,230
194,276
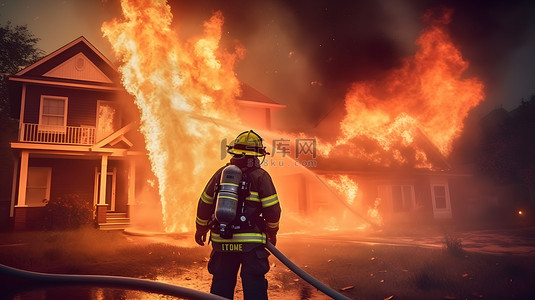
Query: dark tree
x,y
18,49
507,148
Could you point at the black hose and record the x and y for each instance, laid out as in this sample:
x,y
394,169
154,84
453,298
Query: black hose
x,y
108,281
301,273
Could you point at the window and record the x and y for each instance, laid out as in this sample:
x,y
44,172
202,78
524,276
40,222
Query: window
x,y
440,196
108,119
402,197
38,186
53,114
441,199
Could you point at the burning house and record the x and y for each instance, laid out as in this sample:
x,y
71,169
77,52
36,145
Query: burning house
x,y
75,120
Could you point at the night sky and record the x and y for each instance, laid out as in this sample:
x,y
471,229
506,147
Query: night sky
x,y
305,54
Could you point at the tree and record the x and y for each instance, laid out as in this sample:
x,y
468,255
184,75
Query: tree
x,y
507,150
18,49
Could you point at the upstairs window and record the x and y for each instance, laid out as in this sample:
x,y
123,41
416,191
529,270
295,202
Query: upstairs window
x,y
53,113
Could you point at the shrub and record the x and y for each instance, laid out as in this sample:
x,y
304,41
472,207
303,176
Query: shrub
x,y
68,212
453,245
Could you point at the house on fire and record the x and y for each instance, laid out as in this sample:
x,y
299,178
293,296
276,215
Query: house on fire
x,y
401,191
78,135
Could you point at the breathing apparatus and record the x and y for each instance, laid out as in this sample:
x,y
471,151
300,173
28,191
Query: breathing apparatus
x,y
234,184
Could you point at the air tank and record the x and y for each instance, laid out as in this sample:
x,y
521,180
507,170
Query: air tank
x,y
227,199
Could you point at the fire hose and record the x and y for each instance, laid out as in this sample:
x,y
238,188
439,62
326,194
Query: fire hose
x,y
301,273
47,280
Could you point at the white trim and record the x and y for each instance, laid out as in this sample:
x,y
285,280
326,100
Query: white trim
x,y
46,127
62,49
259,104
67,84
78,150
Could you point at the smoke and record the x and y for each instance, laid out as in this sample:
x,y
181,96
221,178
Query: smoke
x,y
306,54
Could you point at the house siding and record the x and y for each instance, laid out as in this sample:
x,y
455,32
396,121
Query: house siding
x,y
69,176
82,104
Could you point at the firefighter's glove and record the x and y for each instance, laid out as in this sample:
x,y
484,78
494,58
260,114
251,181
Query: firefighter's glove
x,y
272,237
200,236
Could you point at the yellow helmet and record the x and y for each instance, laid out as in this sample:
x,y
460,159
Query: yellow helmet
x,y
247,143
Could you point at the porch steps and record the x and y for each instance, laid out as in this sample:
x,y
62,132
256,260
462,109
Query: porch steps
x,y
115,221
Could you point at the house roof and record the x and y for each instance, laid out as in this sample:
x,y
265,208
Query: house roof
x,y
251,96
79,46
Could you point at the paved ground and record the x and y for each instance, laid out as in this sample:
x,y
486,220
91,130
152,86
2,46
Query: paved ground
x,y
520,241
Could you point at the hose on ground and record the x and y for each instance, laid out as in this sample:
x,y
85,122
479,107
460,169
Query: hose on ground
x,y
301,273
46,279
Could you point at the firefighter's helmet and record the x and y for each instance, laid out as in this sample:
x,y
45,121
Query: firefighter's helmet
x,y
247,143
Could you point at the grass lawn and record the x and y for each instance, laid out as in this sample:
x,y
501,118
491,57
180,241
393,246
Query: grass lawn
x,y
359,271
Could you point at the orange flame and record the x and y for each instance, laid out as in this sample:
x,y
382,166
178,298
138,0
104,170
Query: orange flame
x,y
428,96
177,87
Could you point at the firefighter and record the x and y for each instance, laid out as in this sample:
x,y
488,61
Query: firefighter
x,y
240,208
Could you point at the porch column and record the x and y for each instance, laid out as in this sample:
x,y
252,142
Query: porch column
x,y
14,188
20,209
132,182
23,178
101,206
103,177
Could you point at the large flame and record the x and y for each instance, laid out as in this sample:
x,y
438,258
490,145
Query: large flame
x,y
179,86
176,87
428,93
427,98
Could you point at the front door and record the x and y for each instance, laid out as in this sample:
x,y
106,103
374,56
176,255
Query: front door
x,y
111,183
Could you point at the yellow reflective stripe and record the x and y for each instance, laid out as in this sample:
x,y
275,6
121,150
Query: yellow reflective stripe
x,y
227,197
240,238
269,201
272,225
207,199
201,222
253,197
228,183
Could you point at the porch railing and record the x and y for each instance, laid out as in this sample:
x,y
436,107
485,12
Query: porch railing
x,y
53,134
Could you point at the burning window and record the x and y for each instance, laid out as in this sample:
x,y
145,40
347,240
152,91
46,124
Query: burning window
x,y
108,119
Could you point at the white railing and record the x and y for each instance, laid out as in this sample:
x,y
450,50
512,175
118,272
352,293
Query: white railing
x,y
52,134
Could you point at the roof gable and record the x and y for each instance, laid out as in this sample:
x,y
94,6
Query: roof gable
x,y
78,67
57,63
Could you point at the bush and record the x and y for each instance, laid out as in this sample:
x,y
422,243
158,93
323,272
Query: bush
x,y
453,245
68,212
